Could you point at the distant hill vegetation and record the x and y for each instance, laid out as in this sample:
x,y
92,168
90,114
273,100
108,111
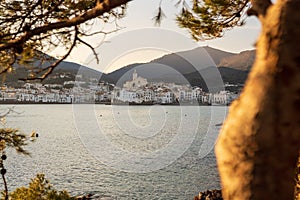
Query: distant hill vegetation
x,y
65,71
190,67
198,67
242,61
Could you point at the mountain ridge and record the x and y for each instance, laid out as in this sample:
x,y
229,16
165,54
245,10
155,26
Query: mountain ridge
x,y
191,62
181,67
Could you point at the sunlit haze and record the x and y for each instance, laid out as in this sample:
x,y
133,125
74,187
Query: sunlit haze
x,y
137,56
138,43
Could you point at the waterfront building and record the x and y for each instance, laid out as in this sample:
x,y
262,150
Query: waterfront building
x,y
220,98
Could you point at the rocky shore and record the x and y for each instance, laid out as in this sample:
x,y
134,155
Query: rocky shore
x,y
94,197
206,195
209,195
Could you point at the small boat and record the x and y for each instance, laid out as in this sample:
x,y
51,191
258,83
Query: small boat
x,y
220,124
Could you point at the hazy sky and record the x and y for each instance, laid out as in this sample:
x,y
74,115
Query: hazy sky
x,y
141,41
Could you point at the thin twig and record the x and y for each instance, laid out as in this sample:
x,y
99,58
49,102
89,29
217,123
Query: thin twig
x,y
4,180
98,10
55,64
27,15
91,47
5,186
100,32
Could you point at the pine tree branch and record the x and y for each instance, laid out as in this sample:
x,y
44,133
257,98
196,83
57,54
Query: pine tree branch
x,y
91,47
98,10
50,68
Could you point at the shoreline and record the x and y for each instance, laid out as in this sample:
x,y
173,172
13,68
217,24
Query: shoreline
x,y
108,103
215,194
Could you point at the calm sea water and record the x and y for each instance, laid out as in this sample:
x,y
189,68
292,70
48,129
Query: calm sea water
x,y
62,151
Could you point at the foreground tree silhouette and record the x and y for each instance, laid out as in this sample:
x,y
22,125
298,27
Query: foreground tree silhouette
x,y
39,188
10,138
258,148
14,139
30,26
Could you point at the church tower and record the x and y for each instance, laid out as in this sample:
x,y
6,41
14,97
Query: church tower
x,y
134,75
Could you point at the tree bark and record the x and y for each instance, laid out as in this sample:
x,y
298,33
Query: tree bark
x,y
258,147
297,186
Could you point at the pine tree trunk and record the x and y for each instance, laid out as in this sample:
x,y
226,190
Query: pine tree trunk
x,y
259,144
297,186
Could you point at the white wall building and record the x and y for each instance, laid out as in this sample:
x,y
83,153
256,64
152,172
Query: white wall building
x,y
220,98
129,96
148,95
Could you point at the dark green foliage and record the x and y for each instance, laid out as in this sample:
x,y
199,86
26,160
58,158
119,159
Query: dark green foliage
x,y
209,19
13,138
27,27
3,157
39,189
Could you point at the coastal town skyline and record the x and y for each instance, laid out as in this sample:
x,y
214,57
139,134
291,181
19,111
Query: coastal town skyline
x,y
135,91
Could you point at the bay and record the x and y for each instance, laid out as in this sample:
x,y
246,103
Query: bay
x,y
65,153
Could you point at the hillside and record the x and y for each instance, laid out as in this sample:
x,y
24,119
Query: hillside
x,y
241,61
217,55
189,67
65,71
195,67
